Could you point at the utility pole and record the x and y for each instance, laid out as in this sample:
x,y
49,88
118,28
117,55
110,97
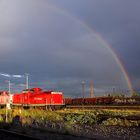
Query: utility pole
x,y
83,89
8,103
113,90
91,89
27,80
9,86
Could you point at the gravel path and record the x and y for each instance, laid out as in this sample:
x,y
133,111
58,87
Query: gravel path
x,y
98,133
117,132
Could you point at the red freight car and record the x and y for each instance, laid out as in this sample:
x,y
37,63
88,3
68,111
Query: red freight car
x,y
68,101
38,97
89,101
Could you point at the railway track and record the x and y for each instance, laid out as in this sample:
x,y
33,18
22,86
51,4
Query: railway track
x,y
102,107
9,135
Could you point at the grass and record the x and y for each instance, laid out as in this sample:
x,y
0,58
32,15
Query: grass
x,y
69,121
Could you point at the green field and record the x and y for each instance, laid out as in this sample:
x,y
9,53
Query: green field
x,y
71,121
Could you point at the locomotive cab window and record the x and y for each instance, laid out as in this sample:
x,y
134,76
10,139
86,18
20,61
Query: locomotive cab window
x,y
28,90
31,90
24,91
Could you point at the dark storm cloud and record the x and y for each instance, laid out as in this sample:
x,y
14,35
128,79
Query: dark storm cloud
x,y
50,45
118,22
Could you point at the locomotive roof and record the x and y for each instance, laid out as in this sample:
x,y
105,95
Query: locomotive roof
x,y
56,92
33,89
36,89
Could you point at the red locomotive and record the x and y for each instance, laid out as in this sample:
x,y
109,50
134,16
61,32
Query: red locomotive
x,y
34,97
37,97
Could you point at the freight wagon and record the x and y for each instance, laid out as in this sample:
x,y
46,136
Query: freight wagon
x,y
103,101
89,101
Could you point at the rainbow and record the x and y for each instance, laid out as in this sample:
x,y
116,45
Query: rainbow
x,y
118,61
101,39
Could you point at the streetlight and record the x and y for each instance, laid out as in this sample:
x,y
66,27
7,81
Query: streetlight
x,y
8,103
91,89
27,80
9,86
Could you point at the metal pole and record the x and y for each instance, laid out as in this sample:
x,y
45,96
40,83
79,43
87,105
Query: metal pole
x,y
9,86
91,90
27,81
6,119
83,89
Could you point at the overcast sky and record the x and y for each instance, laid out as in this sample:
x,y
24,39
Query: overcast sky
x,y
49,39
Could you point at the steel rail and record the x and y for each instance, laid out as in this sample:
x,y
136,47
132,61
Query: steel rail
x,y
102,107
14,135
